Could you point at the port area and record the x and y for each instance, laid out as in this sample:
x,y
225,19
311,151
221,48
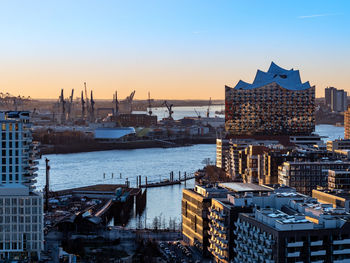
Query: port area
x,y
93,206
89,145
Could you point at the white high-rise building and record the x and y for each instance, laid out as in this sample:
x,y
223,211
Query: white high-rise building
x,y
21,208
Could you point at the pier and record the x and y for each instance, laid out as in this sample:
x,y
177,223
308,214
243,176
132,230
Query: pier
x,y
165,182
116,202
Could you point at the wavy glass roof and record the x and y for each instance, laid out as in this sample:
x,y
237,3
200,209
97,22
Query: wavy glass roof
x,y
288,79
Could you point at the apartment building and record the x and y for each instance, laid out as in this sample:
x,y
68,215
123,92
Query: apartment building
x,y
21,207
338,145
306,176
339,179
336,99
347,124
308,232
276,103
222,151
195,211
338,198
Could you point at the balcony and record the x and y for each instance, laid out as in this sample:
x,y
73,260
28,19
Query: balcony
x,y
316,243
293,255
318,253
341,242
341,251
295,244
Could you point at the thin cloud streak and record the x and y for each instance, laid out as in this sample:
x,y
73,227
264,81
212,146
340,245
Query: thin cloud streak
x,y
317,15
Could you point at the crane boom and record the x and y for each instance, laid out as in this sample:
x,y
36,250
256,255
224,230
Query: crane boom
x,y
170,111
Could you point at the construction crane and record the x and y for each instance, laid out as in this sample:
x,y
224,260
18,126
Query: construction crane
x,y
208,110
170,111
149,104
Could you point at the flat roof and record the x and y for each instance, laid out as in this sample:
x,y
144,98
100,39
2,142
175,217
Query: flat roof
x,y
338,193
245,187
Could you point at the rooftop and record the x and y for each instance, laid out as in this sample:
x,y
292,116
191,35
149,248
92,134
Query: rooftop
x,y
244,187
337,192
288,79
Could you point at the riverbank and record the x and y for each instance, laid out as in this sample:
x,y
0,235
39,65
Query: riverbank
x,y
92,146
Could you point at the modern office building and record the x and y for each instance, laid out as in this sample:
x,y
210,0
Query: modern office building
x,y
21,208
336,99
306,176
276,103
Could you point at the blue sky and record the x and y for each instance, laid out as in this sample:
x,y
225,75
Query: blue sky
x,y
175,49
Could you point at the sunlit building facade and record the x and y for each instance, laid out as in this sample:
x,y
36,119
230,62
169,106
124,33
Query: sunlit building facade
x,y
276,103
21,215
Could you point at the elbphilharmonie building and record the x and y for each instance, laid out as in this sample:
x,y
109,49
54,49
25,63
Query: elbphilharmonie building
x,y
276,103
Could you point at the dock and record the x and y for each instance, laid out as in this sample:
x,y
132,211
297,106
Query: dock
x,y
101,202
166,182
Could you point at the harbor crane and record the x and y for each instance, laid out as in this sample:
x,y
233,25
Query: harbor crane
x,y
92,108
86,99
130,98
116,103
149,104
82,105
11,102
208,110
70,105
197,113
169,108
62,103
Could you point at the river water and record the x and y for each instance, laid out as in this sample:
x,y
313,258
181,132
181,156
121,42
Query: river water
x,y
82,169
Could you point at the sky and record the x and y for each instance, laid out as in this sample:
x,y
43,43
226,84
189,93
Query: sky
x,y
173,49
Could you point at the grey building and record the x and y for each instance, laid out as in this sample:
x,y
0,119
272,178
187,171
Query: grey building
x,y
336,99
